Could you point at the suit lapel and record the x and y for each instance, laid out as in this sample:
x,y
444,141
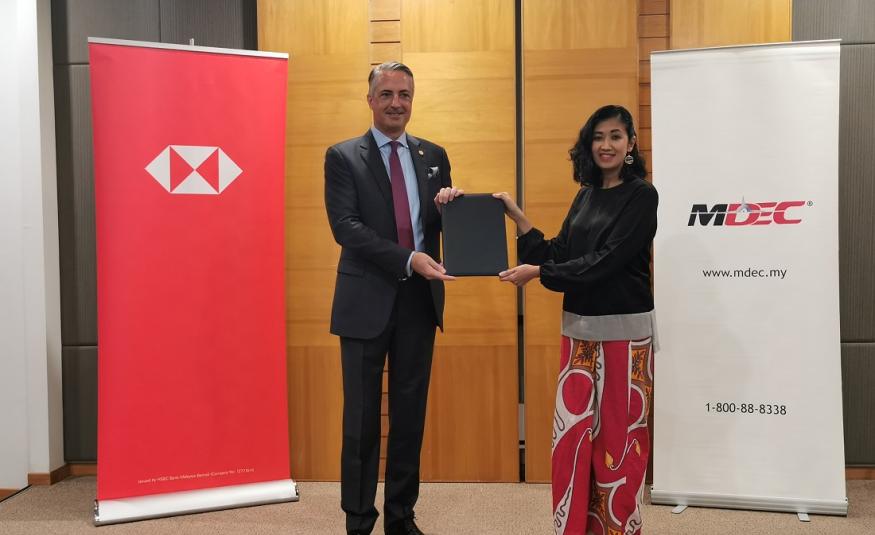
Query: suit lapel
x,y
417,154
370,153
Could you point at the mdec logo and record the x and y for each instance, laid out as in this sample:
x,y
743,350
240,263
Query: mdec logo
x,y
743,214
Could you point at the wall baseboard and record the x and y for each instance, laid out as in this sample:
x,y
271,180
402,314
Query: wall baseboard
x,y
62,473
44,479
5,493
82,469
860,472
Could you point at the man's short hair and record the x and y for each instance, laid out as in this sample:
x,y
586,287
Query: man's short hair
x,y
383,67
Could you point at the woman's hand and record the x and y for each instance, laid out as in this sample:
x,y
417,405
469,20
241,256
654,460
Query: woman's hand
x,y
510,207
514,212
520,275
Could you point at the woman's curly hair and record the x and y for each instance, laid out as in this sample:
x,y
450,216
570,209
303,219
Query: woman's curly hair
x,y
586,172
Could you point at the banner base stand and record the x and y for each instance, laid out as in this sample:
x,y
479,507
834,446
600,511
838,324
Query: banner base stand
x,y
193,501
752,503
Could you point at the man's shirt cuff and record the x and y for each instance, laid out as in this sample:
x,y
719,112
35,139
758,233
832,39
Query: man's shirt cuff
x,y
409,268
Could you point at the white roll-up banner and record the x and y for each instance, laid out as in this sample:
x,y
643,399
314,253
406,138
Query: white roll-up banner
x,y
748,395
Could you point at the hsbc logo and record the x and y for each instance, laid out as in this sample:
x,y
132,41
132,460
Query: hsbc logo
x,y
190,169
747,213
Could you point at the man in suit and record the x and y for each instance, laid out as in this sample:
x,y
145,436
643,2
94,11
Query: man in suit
x,y
383,193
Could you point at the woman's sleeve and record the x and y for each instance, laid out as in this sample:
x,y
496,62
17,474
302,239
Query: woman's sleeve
x,y
633,231
533,249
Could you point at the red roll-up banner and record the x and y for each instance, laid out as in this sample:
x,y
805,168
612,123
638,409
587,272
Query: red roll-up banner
x,y
189,195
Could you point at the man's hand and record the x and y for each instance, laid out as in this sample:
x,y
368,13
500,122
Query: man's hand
x,y
446,195
428,268
520,275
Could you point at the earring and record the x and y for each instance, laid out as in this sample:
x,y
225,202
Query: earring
x,y
628,159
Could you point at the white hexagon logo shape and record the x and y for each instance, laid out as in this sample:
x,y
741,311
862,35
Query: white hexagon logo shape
x,y
192,169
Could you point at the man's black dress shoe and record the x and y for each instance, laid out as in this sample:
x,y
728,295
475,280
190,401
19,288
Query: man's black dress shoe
x,y
405,526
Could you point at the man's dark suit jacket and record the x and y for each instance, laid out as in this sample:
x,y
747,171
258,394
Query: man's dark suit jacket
x,y
358,197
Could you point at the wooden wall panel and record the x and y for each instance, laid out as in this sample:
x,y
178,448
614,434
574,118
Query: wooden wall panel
x,y
384,9
704,23
577,56
385,31
654,25
383,52
653,7
385,37
464,100
328,72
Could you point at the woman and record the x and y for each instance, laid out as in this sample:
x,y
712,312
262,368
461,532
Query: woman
x,y
601,262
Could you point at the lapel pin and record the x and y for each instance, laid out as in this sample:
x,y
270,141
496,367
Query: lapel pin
x,y
421,153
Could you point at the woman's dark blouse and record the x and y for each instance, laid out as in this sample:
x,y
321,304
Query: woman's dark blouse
x,y
601,257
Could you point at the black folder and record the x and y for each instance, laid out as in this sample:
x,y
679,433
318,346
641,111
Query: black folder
x,y
474,237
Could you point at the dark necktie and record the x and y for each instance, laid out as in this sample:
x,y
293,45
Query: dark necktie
x,y
399,199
